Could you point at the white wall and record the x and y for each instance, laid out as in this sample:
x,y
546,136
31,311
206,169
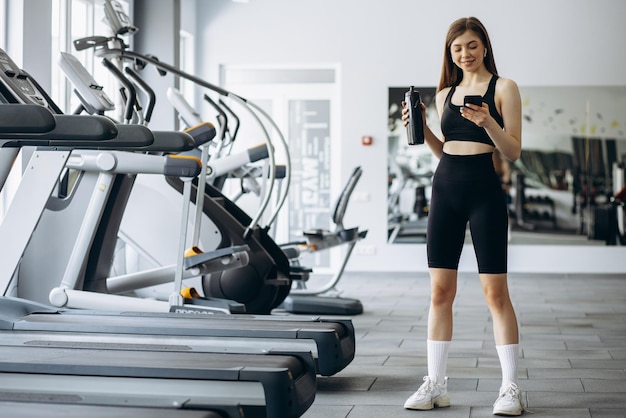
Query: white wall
x,y
399,43
386,43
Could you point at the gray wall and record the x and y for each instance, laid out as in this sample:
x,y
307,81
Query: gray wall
x,y
399,43
159,27
159,23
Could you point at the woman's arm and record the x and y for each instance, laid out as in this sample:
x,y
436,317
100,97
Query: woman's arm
x,y
509,139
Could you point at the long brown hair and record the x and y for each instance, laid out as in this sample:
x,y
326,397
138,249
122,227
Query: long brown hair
x,y
450,73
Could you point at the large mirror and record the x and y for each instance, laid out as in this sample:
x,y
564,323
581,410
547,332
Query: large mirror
x,y
566,189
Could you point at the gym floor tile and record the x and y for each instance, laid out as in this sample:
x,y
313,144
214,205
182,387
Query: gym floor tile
x,y
572,339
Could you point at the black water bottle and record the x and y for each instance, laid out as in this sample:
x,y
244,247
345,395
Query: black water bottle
x,y
415,128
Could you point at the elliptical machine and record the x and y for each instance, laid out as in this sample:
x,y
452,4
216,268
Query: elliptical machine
x,y
264,282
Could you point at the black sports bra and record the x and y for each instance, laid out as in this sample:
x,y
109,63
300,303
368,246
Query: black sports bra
x,y
456,128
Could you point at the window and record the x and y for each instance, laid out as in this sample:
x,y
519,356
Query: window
x,y
59,43
74,19
3,24
187,64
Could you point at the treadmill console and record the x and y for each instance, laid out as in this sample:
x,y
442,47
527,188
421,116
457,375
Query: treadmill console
x,y
118,19
93,98
16,85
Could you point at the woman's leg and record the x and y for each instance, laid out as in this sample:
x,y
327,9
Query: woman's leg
x,y
506,335
496,291
505,330
445,235
442,293
433,392
443,284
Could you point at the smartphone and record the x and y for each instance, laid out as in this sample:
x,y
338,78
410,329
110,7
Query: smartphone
x,y
473,99
415,128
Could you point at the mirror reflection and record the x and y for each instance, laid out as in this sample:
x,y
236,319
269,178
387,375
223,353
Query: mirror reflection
x,y
567,188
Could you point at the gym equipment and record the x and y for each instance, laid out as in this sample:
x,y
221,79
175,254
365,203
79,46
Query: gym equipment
x,y
25,209
120,51
86,198
284,386
347,344
223,146
13,406
140,361
264,282
232,284
331,341
112,284
287,382
301,299
116,47
406,223
325,300
20,87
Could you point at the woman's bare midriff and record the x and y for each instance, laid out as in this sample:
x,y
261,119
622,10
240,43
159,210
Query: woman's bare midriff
x,y
466,148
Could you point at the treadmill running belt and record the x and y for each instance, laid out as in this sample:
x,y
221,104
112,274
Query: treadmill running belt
x,y
335,339
37,409
288,381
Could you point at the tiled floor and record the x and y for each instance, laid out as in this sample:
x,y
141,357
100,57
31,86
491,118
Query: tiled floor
x,y
573,342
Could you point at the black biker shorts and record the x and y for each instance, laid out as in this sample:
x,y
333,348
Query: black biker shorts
x,y
466,189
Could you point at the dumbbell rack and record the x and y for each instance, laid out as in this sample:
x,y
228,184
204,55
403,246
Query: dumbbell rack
x,y
527,215
532,213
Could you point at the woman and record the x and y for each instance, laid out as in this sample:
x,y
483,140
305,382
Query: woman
x,y
467,189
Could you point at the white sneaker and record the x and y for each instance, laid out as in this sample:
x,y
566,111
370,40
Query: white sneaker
x,y
509,401
429,395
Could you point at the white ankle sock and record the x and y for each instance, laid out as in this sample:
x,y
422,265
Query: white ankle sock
x,y
437,352
508,354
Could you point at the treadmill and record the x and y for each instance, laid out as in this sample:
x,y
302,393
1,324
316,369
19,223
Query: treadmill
x,y
278,385
330,340
38,408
